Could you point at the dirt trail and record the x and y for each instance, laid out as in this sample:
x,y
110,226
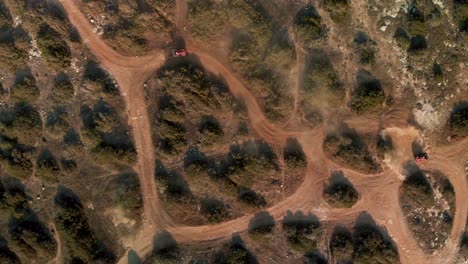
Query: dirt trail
x,y
129,73
379,192
58,257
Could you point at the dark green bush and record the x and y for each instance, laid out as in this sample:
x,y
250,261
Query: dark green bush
x,y
459,120
128,194
75,231
25,88
365,47
165,246
293,154
308,25
62,90
213,209
261,223
349,149
53,47
338,9
210,130
418,43
250,197
370,243
368,93
341,245
301,231
340,192
47,167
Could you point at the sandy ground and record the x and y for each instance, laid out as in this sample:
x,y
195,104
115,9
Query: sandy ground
x,y
379,192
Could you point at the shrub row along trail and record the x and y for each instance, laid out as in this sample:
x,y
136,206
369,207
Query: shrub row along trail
x,y
379,192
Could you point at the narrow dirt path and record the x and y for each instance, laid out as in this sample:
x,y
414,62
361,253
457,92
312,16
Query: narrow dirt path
x,y
379,192
129,73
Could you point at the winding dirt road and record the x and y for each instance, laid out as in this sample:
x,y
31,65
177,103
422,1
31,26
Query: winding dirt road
x,y
379,192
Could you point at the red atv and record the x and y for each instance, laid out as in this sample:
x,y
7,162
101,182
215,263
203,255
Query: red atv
x,y
180,52
421,157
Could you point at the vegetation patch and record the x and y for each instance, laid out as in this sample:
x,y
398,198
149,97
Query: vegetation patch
x,y
210,130
308,25
293,154
338,9
25,89
22,123
236,252
171,183
341,245
459,120
340,192
246,163
47,167
99,77
75,232
53,47
321,83
63,90
165,247
461,14
107,134
214,209
250,197
128,194
346,147
427,199
368,93
302,231
261,223
372,244
365,47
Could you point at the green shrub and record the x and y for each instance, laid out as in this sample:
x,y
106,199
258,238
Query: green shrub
x,y
293,154
213,209
261,223
348,149
62,90
18,163
365,47
25,88
418,44
75,231
340,192
461,14
250,197
23,124
165,246
338,9
459,120
94,73
321,82
368,93
464,245
53,47
301,231
210,130
6,255
206,18
195,162
171,183
370,244
47,167
128,194
308,25
341,244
